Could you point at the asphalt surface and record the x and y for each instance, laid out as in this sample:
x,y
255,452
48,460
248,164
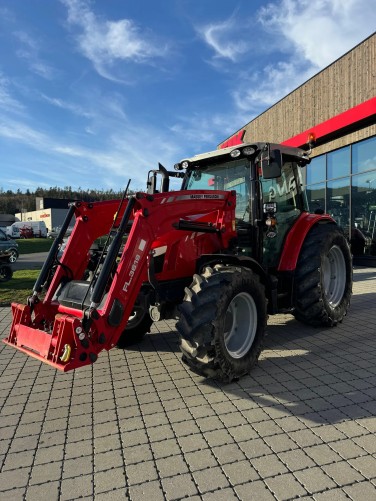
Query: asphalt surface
x,y
138,425
30,261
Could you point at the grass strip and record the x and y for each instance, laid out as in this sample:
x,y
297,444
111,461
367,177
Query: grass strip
x,y
19,288
31,245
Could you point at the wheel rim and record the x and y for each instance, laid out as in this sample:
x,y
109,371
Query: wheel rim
x,y
12,257
334,276
240,325
135,318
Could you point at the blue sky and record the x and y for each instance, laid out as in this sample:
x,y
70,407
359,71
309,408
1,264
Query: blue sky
x,y
93,93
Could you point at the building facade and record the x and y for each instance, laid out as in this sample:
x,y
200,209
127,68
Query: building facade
x,y
52,217
337,108
50,210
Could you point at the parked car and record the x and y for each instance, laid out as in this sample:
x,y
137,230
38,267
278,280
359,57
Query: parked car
x,y
53,233
26,232
8,248
38,229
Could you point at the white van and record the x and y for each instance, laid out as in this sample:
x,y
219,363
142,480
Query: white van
x,y
38,227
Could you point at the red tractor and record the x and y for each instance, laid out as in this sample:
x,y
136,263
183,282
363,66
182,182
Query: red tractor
x,y
234,244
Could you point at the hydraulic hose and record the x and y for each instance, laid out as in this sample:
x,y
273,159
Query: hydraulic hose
x,y
53,251
111,256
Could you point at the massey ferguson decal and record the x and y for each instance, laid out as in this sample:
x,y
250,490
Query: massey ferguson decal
x,y
201,196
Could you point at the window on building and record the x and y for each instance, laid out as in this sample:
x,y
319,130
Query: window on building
x,y
316,197
338,201
364,155
363,220
316,170
353,165
338,163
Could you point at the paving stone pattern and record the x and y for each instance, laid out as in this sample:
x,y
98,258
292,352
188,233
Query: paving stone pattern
x,y
138,425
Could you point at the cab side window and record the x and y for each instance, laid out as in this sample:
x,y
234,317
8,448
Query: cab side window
x,y
282,190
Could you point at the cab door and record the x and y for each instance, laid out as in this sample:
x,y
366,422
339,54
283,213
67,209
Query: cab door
x,y
282,206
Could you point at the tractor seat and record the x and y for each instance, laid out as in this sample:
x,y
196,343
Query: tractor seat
x,y
75,294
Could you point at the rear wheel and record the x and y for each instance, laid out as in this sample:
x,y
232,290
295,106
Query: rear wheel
x,y
323,277
222,322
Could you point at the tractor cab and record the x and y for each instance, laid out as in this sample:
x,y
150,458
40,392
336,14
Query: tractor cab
x,y
269,196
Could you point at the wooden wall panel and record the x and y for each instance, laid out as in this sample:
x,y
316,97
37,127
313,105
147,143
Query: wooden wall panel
x,y
347,82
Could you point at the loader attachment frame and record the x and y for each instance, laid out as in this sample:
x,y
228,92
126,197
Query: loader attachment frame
x,y
78,318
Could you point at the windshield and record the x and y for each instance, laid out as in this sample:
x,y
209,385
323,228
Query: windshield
x,y
234,175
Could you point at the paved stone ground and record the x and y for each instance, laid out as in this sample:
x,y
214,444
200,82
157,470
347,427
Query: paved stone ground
x,y
138,425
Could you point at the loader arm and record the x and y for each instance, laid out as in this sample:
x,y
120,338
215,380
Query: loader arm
x,y
77,318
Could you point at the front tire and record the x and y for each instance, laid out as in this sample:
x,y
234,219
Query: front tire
x,y
323,277
6,273
222,322
138,325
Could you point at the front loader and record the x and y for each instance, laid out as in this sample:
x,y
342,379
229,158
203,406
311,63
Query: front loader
x,y
235,244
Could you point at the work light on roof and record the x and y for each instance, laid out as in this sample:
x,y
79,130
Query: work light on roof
x,y
235,153
248,150
181,165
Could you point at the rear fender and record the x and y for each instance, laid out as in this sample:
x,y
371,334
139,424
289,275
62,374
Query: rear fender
x,y
296,236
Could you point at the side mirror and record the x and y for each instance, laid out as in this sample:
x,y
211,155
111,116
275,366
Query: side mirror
x,y
151,185
272,164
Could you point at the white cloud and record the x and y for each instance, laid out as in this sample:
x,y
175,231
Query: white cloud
x,y
18,131
72,107
106,43
29,51
121,154
263,89
225,38
320,31
7,102
201,130
312,35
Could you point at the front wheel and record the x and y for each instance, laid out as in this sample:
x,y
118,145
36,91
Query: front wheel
x,y
138,325
323,277
13,256
222,322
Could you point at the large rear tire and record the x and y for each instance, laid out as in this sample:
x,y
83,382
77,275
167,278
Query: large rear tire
x,y
222,322
323,277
